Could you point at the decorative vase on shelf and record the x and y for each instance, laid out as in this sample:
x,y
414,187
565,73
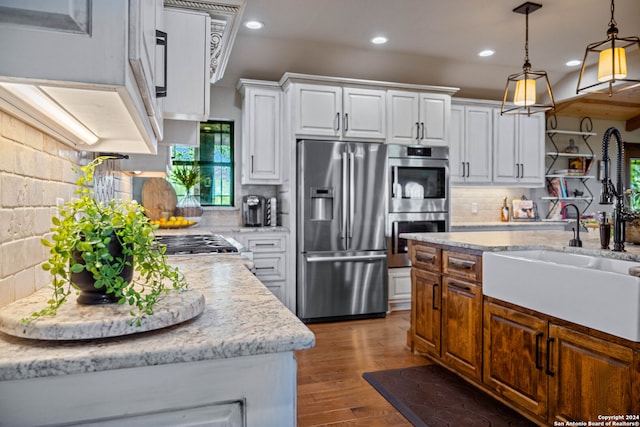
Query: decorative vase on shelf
x,y
189,207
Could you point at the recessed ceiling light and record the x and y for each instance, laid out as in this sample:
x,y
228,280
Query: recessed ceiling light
x,y
487,52
379,40
573,63
254,25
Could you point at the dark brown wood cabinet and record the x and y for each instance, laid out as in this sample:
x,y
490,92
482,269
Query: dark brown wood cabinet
x,y
514,352
446,319
554,372
425,316
544,367
462,326
589,377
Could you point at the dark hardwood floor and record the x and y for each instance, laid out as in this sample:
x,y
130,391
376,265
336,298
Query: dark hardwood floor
x,y
331,390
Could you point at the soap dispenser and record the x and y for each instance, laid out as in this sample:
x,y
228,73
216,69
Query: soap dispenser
x,y
504,212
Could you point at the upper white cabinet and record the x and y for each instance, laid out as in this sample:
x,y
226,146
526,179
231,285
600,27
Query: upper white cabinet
x,y
261,132
101,68
339,112
189,57
470,144
417,118
518,149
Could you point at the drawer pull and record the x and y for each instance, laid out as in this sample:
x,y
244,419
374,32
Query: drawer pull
x,y
265,244
423,258
265,268
459,287
538,364
462,264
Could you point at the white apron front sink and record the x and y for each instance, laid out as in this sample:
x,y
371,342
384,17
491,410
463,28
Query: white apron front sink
x,y
588,290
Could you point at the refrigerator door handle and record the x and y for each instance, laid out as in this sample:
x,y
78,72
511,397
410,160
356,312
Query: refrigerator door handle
x,y
345,258
352,206
345,198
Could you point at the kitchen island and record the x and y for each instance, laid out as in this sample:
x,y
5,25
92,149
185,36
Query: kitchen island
x,y
233,362
530,360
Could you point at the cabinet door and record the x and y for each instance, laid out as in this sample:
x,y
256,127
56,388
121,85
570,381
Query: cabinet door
x,y
403,120
514,350
364,113
462,326
188,67
425,313
590,377
148,67
457,165
262,140
506,161
317,110
434,119
531,149
478,136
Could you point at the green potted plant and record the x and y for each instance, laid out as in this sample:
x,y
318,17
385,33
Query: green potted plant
x,y
95,249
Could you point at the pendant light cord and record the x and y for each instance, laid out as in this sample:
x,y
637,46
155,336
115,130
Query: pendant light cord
x,y
527,64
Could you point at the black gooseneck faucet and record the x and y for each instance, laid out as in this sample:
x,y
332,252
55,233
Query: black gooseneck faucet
x,y
609,191
576,242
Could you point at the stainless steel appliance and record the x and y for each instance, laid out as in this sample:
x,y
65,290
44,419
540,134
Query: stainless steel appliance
x,y
342,256
253,211
181,244
418,194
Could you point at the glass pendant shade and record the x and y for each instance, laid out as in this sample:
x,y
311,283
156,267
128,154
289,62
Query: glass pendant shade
x,y
525,93
612,65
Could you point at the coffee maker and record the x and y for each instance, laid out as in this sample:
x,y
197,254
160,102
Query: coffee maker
x,y
253,211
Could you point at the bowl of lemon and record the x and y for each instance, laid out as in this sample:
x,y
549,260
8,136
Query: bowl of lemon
x,y
173,222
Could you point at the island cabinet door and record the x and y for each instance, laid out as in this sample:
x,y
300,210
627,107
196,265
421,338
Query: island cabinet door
x,y
514,357
462,326
590,377
426,316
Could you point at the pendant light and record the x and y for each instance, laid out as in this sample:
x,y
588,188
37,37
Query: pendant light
x,y
608,66
521,92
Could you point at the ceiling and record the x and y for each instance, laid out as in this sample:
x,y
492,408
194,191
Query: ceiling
x,y
434,42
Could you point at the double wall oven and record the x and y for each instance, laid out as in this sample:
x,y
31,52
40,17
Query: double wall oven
x,y
418,196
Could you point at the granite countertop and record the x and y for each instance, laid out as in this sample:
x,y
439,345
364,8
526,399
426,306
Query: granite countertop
x,y
200,229
241,318
509,225
519,240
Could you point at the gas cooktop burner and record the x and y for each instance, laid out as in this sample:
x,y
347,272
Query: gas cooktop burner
x,y
196,244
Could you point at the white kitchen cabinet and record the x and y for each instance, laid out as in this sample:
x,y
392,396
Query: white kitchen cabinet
x,y
399,289
417,118
189,59
518,149
102,65
270,260
470,144
261,132
339,112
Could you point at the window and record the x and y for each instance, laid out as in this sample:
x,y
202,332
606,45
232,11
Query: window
x,y
632,173
214,157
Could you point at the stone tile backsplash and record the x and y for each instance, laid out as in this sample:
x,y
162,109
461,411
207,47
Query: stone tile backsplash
x,y
35,170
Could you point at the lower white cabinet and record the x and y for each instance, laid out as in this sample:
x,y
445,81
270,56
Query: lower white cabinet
x,y
400,289
270,260
247,391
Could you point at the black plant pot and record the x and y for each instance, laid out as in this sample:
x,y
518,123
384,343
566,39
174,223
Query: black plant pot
x,y
89,294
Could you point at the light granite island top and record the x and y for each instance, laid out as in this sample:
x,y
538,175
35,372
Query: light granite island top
x,y
242,324
557,240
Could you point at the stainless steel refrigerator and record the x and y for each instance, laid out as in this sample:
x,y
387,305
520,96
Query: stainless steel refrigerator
x,y
342,248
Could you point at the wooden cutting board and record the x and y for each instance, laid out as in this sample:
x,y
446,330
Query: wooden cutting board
x,y
158,195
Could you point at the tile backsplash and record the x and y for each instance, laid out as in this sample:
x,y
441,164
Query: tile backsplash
x,y
488,201
36,170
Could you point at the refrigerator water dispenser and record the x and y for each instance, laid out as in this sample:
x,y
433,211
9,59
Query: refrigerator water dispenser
x,y
321,204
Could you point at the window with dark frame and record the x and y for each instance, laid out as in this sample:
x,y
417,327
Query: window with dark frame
x,y
214,157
